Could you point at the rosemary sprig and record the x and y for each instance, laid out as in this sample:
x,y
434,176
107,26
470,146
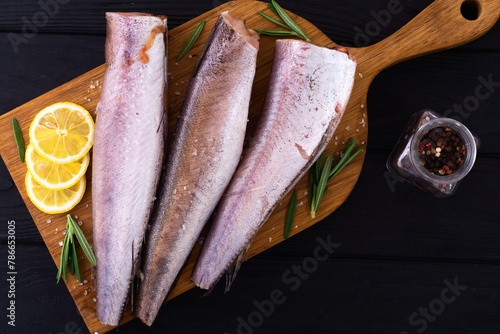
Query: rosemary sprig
x,y
288,20
288,23
19,139
69,258
191,40
290,215
320,176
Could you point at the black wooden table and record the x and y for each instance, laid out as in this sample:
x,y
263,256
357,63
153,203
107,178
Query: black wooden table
x,y
404,262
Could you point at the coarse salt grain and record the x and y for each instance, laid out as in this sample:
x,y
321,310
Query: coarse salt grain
x,y
360,75
296,226
362,106
177,93
347,128
61,243
270,239
85,292
305,192
49,221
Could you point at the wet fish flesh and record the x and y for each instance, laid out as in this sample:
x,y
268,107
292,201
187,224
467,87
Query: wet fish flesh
x,y
307,95
206,148
128,152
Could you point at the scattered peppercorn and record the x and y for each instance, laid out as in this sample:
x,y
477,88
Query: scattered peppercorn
x,y
441,151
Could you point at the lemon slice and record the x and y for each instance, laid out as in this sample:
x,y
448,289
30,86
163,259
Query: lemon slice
x,y
54,201
63,132
55,176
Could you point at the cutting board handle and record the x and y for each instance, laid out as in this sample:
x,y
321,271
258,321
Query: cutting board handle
x,y
439,27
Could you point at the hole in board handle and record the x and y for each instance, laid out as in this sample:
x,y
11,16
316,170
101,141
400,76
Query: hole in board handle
x,y
470,10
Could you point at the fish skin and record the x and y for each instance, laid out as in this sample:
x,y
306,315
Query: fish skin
x,y
128,152
205,151
308,92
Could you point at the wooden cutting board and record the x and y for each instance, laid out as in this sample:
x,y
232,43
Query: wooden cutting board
x,y
439,27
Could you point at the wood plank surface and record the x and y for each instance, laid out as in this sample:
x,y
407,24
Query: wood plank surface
x,y
80,91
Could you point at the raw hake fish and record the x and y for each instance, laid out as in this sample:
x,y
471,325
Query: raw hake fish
x,y
128,152
308,92
206,148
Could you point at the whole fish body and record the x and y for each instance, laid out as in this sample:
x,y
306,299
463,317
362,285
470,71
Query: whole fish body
x,y
308,92
128,152
205,151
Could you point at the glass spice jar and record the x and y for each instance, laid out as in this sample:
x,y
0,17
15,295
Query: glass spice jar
x,y
406,163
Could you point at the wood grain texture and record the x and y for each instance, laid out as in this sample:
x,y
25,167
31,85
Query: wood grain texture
x,y
380,55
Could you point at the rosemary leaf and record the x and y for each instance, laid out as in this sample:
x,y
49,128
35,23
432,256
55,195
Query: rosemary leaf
x,y
288,21
62,265
277,32
82,240
318,165
71,258
64,256
75,263
271,7
19,139
320,190
71,262
312,182
290,215
319,199
274,20
191,40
